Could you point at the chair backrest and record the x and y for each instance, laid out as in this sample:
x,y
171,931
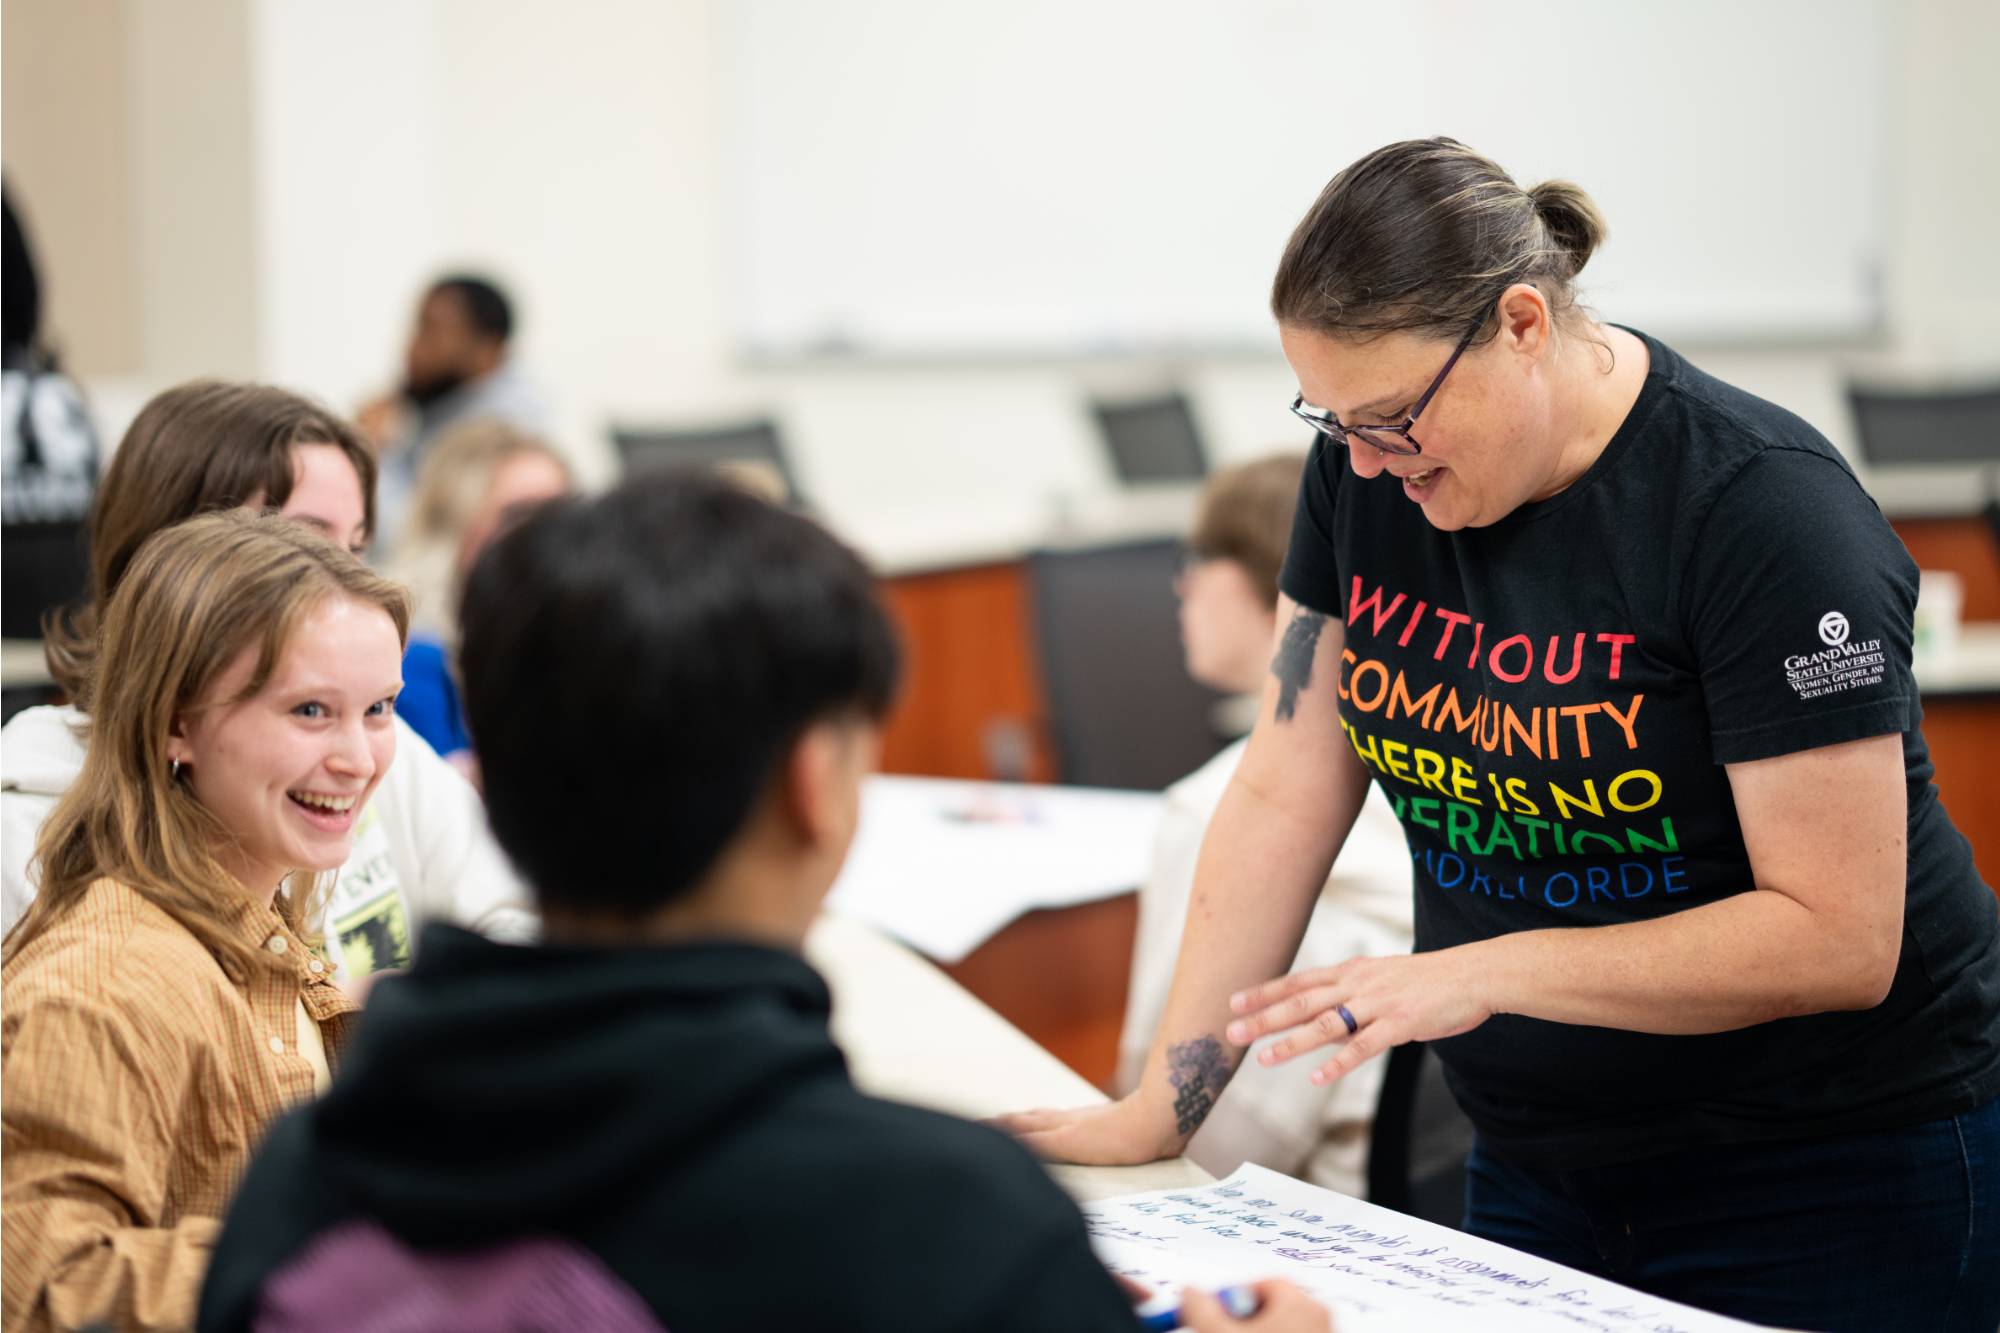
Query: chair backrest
x,y
1419,1142
752,448
1123,711
1152,439
1894,426
46,565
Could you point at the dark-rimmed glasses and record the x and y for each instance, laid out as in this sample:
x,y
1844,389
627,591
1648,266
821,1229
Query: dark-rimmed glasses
x,y
1389,439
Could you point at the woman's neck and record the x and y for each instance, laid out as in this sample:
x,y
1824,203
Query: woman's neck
x,y
1603,370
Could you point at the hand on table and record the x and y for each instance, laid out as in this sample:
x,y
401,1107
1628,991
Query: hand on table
x,y
1411,997
1281,1308
1126,1132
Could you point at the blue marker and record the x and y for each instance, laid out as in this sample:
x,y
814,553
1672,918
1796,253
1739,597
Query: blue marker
x,y
1240,1302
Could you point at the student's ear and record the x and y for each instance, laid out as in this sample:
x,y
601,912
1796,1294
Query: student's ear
x,y
822,786
177,742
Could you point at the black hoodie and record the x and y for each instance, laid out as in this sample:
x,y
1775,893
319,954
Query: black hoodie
x,y
553,1138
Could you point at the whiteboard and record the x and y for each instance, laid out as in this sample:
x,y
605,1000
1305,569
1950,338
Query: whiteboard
x,y
942,179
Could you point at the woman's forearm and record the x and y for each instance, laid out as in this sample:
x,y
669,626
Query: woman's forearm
x,y
1751,958
1258,875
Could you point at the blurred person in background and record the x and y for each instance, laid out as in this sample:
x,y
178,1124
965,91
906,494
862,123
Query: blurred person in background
x,y
1228,590
49,446
456,367
164,997
420,850
479,478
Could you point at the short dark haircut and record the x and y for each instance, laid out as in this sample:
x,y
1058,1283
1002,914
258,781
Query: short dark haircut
x,y
487,308
637,666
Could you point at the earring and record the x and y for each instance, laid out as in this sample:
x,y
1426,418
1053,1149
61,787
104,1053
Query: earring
x,y
174,769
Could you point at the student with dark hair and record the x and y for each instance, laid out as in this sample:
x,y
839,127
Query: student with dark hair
x,y
421,849
456,368
603,1129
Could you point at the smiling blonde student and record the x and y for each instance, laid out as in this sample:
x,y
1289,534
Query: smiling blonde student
x,y
166,995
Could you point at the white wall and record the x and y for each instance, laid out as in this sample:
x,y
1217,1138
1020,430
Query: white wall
x,y
575,151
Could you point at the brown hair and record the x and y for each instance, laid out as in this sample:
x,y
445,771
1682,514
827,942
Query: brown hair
x,y
198,447
193,599
1246,516
1423,236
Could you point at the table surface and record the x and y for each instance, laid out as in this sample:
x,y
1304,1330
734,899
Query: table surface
x,y
944,864
911,1034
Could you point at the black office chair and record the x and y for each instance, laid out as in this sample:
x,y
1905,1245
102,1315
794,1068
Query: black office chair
x,y
1420,1140
751,447
42,566
1122,709
1152,439
1946,425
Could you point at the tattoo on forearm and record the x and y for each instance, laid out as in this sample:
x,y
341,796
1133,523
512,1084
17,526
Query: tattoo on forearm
x,y
1293,666
1198,1071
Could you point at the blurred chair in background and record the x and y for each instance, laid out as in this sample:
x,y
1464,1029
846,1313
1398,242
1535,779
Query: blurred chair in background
x,y
1122,710
1416,1160
1152,440
750,451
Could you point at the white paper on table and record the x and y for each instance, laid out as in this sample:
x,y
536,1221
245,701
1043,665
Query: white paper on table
x,y
1380,1271
942,865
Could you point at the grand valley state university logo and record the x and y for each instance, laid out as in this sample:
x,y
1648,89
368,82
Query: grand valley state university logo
x,y
1841,666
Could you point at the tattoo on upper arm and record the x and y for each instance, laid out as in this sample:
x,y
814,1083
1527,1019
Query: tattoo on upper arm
x,y
1198,1071
1293,666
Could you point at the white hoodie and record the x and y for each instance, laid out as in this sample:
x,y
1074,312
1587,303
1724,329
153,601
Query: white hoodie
x,y
421,849
1274,1115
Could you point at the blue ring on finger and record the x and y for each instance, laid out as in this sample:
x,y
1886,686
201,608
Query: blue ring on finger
x,y
1347,1017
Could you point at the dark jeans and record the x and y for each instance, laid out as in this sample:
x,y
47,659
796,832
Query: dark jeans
x,y
1885,1231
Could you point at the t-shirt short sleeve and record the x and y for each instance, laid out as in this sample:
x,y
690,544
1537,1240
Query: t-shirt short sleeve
x,y
1799,605
1311,573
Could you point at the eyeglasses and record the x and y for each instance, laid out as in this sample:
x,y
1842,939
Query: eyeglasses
x,y
1389,439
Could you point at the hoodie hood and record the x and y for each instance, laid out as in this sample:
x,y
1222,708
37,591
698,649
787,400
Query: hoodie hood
x,y
41,750
499,1089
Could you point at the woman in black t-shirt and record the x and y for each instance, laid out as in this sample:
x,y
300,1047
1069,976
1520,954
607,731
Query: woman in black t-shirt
x,y
1628,650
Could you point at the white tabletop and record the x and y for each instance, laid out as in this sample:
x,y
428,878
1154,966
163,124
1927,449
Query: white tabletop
x,y
914,1035
1970,665
943,864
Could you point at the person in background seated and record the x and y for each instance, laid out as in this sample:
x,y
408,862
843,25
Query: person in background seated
x,y
164,997
48,456
642,1122
481,476
1275,1117
420,849
456,368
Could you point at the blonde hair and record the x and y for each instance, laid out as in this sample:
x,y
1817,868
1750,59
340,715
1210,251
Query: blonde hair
x,y
453,481
1246,516
1423,236
194,598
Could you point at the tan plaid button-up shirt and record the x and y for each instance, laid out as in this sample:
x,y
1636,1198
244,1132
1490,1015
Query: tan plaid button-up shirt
x,y
139,1077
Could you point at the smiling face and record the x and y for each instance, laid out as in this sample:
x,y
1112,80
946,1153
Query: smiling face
x,y
1488,435
289,770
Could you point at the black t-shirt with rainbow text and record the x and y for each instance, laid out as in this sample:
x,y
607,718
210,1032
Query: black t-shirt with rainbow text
x,y
1548,703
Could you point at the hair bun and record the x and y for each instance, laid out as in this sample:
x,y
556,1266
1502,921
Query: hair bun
x,y
1574,224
